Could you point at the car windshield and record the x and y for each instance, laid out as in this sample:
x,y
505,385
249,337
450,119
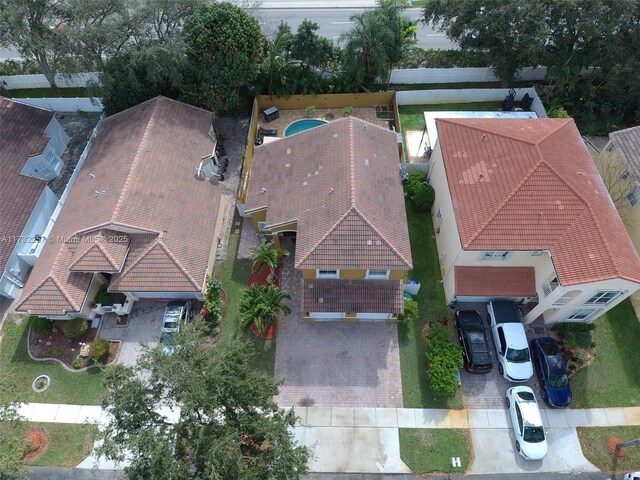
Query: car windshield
x,y
558,381
518,356
533,434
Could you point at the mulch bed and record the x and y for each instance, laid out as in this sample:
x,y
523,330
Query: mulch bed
x,y
260,278
37,443
55,345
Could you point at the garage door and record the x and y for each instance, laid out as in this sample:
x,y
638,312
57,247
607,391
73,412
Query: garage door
x,y
373,316
327,316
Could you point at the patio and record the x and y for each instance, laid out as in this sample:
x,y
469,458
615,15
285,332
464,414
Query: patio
x,y
334,364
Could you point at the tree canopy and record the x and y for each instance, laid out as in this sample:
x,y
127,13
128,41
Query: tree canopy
x,y
225,46
228,427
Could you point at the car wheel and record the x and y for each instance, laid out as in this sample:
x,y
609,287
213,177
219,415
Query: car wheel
x,y
507,402
500,369
518,446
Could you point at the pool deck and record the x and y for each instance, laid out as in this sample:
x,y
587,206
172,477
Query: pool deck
x,y
288,116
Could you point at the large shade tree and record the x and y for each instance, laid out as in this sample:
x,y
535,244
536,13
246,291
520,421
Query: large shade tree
x,y
228,426
225,46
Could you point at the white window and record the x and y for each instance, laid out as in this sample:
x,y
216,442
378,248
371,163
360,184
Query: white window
x,y
603,297
536,253
634,196
582,314
377,274
611,147
52,159
550,284
327,273
625,175
498,255
262,226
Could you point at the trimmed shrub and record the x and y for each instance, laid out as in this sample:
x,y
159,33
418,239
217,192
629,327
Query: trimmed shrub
x,y
423,197
75,327
431,58
58,352
575,335
41,324
77,362
410,313
99,349
558,112
102,297
416,178
445,359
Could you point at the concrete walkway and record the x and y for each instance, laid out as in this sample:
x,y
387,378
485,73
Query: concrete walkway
x,y
365,440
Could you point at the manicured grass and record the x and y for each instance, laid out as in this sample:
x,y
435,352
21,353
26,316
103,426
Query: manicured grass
x,y
47,92
69,444
233,274
427,450
412,118
66,387
426,270
613,379
593,441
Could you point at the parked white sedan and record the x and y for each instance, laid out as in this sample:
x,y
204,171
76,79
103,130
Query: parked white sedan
x,y
527,423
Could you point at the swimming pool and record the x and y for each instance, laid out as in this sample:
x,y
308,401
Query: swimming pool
x,y
302,125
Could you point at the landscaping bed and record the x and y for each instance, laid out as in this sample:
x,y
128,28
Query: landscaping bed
x,y
427,450
594,442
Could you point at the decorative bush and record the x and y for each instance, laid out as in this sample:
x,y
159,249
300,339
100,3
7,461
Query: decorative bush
x,y
41,324
58,352
75,328
310,111
99,349
574,334
347,111
46,352
445,359
421,58
558,112
423,197
213,301
410,313
102,297
77,362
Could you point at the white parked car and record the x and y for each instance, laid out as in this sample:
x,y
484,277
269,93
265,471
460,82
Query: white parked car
x,y
632,476
531,442
514,358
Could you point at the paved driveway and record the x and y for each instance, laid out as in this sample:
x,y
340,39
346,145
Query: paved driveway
x,y
333,363
143,327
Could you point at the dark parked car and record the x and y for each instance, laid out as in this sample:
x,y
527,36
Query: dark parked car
x,y
473,338
552,371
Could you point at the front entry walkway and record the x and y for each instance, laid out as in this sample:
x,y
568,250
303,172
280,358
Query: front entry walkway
x,y
334,364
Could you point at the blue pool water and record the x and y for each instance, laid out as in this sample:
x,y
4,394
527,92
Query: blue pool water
x,y
302,125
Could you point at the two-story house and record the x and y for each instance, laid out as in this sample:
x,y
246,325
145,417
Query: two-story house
x,y
521,212
31,145
336,190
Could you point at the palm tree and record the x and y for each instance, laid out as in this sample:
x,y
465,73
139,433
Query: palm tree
x,y
261,305
265,255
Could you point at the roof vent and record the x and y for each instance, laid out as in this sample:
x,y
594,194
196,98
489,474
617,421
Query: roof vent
x,y
99,192
365,127
308,175
320,300
366,162
288,151
264,190
484,137
304,183
331,190
287,165
369,242
92,175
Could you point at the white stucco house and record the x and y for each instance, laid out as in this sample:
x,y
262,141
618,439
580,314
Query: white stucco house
x,y
31,145
521,213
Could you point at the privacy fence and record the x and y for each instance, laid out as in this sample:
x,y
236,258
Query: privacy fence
x,y
459,75
84,104
75,80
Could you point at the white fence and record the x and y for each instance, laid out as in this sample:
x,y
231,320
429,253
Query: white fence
x,y
468,95
458,75
75,80
84,104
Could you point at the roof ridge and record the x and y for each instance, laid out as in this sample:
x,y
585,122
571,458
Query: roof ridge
x,y
480,129
352,167
136,161
567,121
384,239
325,236
64,292
107,225
178,264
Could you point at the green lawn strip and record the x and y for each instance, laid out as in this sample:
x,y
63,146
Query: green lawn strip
x,y
69,444
593,441
427,450
426,270
412,116
48,93
83,388
613,379
233,273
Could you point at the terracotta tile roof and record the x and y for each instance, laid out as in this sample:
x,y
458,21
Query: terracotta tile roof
x,y
104,251
627,143
142,164
360,296
340,182
495,281
22,135
530,184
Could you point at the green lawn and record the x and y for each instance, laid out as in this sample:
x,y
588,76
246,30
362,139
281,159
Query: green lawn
x,y
66,387
47,92
69,444
613,379
427,450
412,118
426,269
593,441
233,274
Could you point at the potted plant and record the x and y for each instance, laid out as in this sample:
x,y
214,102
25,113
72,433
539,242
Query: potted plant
x,y
265,255
260,307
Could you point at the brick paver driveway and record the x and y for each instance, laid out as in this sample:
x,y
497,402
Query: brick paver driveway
x,y
333,363
143,327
